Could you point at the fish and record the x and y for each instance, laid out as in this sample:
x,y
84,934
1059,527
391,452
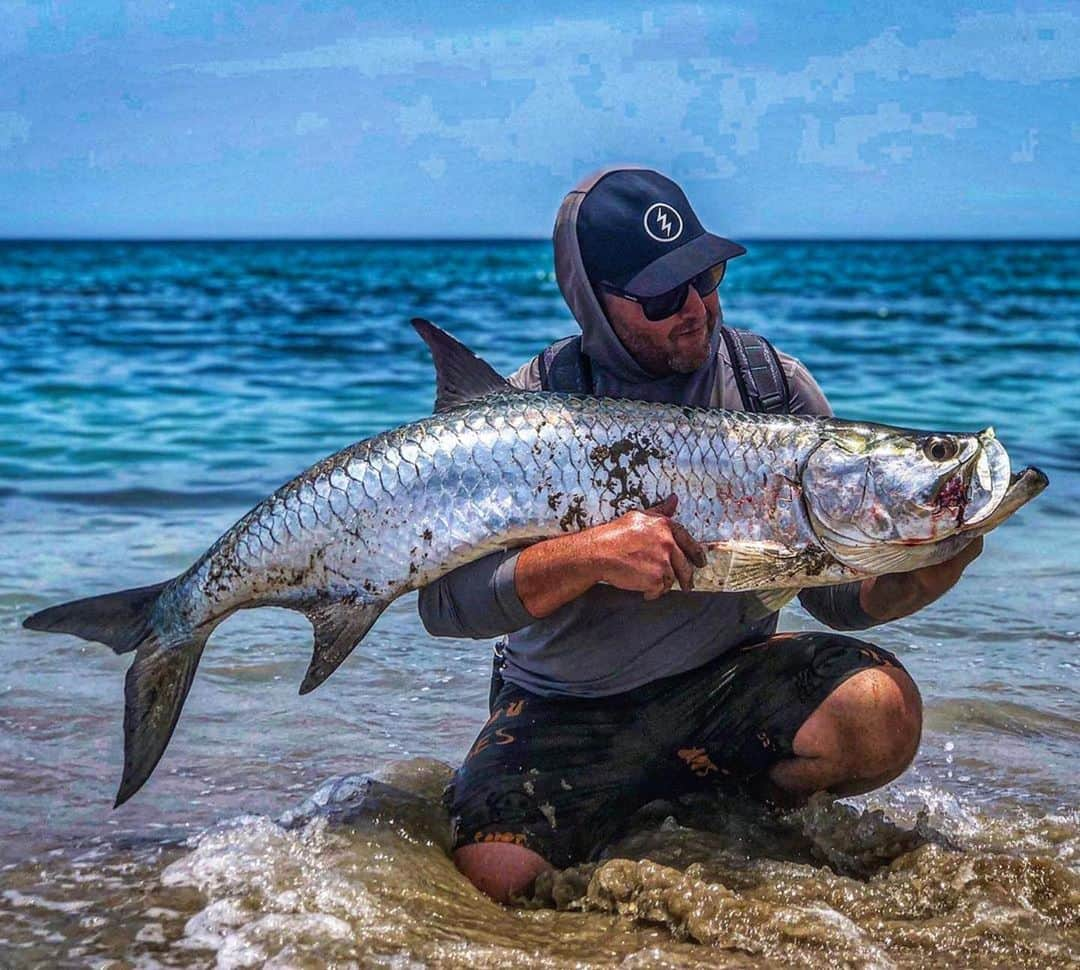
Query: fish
x,y
779,502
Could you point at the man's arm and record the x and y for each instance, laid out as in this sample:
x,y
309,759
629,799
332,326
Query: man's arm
x,y
900,594
477,600
646,552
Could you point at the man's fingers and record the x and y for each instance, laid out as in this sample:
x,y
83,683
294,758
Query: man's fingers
x,y
684,572
665,508
972,550
955,566
664,587
691,548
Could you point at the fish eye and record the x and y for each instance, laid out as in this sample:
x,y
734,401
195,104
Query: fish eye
x,y
940,449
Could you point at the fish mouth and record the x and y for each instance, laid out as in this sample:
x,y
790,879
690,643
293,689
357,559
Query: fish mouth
x,y
985,480
952,496
1022,487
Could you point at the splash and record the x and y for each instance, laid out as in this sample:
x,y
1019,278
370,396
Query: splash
x,y
358,874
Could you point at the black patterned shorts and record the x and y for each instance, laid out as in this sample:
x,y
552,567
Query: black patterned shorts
x,y
560,775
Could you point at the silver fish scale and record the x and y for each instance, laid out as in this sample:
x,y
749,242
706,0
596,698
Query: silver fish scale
x,y
398,510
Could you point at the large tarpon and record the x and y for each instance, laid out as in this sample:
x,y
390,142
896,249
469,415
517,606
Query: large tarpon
x,y
780,503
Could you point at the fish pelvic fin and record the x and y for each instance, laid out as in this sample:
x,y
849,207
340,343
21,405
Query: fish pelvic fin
x,y
460,376
763,602
155,689
120,620
339,626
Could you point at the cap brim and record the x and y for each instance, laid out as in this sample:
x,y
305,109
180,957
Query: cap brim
x,y
682,264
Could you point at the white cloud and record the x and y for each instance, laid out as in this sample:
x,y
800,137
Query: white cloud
x,y
13,128
654,90
18,18
435,166
852,134
309,121
1025,154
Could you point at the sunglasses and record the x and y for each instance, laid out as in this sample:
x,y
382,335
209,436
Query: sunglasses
x,y
668,304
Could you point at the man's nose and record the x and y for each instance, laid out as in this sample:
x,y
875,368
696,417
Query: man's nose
x,y
694,305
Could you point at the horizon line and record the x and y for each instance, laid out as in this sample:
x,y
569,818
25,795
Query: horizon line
x,y
512,239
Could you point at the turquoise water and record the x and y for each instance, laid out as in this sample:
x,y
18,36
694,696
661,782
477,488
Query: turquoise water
x,y
153,392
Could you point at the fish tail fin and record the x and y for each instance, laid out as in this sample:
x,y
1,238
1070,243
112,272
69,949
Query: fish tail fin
x,y
155,689
120,620
157,681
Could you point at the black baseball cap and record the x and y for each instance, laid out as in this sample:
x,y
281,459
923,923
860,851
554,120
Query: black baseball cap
x,y
638,234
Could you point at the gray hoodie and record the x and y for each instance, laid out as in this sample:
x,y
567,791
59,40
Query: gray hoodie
x,y
609,640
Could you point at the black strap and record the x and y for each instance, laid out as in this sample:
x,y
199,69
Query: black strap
x,y
498,662
762,383
563,367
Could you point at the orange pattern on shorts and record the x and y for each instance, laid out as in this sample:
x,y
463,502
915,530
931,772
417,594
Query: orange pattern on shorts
x,y
698,760
499,735
514,838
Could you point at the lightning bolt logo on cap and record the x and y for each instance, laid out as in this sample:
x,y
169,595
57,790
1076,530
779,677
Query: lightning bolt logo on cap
x,y
663,222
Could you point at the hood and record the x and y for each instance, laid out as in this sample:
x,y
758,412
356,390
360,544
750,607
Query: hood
x,y
615,372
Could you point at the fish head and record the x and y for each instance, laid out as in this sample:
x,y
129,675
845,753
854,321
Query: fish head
x,y
875,493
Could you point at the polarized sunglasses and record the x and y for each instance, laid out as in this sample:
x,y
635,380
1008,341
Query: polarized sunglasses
x,y
667,304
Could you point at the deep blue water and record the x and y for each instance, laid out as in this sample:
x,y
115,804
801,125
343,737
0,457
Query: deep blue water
x,y
147,374
153,392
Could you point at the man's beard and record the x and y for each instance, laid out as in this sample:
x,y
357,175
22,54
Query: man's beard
x,y
684,359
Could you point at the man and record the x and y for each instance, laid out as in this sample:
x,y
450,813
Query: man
x,y
614,689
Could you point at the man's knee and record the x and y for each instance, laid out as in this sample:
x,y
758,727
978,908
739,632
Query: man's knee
x,y
501,870
871,725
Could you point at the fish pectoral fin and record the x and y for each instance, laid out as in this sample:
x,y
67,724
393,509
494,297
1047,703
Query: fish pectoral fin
x,y
339,626
881,558
737,566
763,602
460,375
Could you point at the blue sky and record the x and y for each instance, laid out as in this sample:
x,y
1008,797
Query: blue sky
x,y
303,118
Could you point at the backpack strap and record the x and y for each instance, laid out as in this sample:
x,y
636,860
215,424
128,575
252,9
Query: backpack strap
x,y
759,375
563,367
762,383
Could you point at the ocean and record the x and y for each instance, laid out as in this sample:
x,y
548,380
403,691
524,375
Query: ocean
x,y
153,392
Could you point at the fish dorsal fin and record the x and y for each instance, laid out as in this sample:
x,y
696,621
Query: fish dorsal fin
x,y
460,375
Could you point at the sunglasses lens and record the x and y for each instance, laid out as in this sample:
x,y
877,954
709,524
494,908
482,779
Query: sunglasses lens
x,y
708,281
666,304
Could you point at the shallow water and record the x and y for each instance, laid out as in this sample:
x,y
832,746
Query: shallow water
x,y
155,392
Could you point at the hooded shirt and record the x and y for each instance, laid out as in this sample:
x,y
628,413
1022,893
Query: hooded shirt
x,y
608,640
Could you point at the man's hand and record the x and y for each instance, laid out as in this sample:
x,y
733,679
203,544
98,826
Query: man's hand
x,y
646,552
901,594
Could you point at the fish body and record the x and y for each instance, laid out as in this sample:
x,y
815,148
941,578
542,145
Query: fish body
x,y
779,502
